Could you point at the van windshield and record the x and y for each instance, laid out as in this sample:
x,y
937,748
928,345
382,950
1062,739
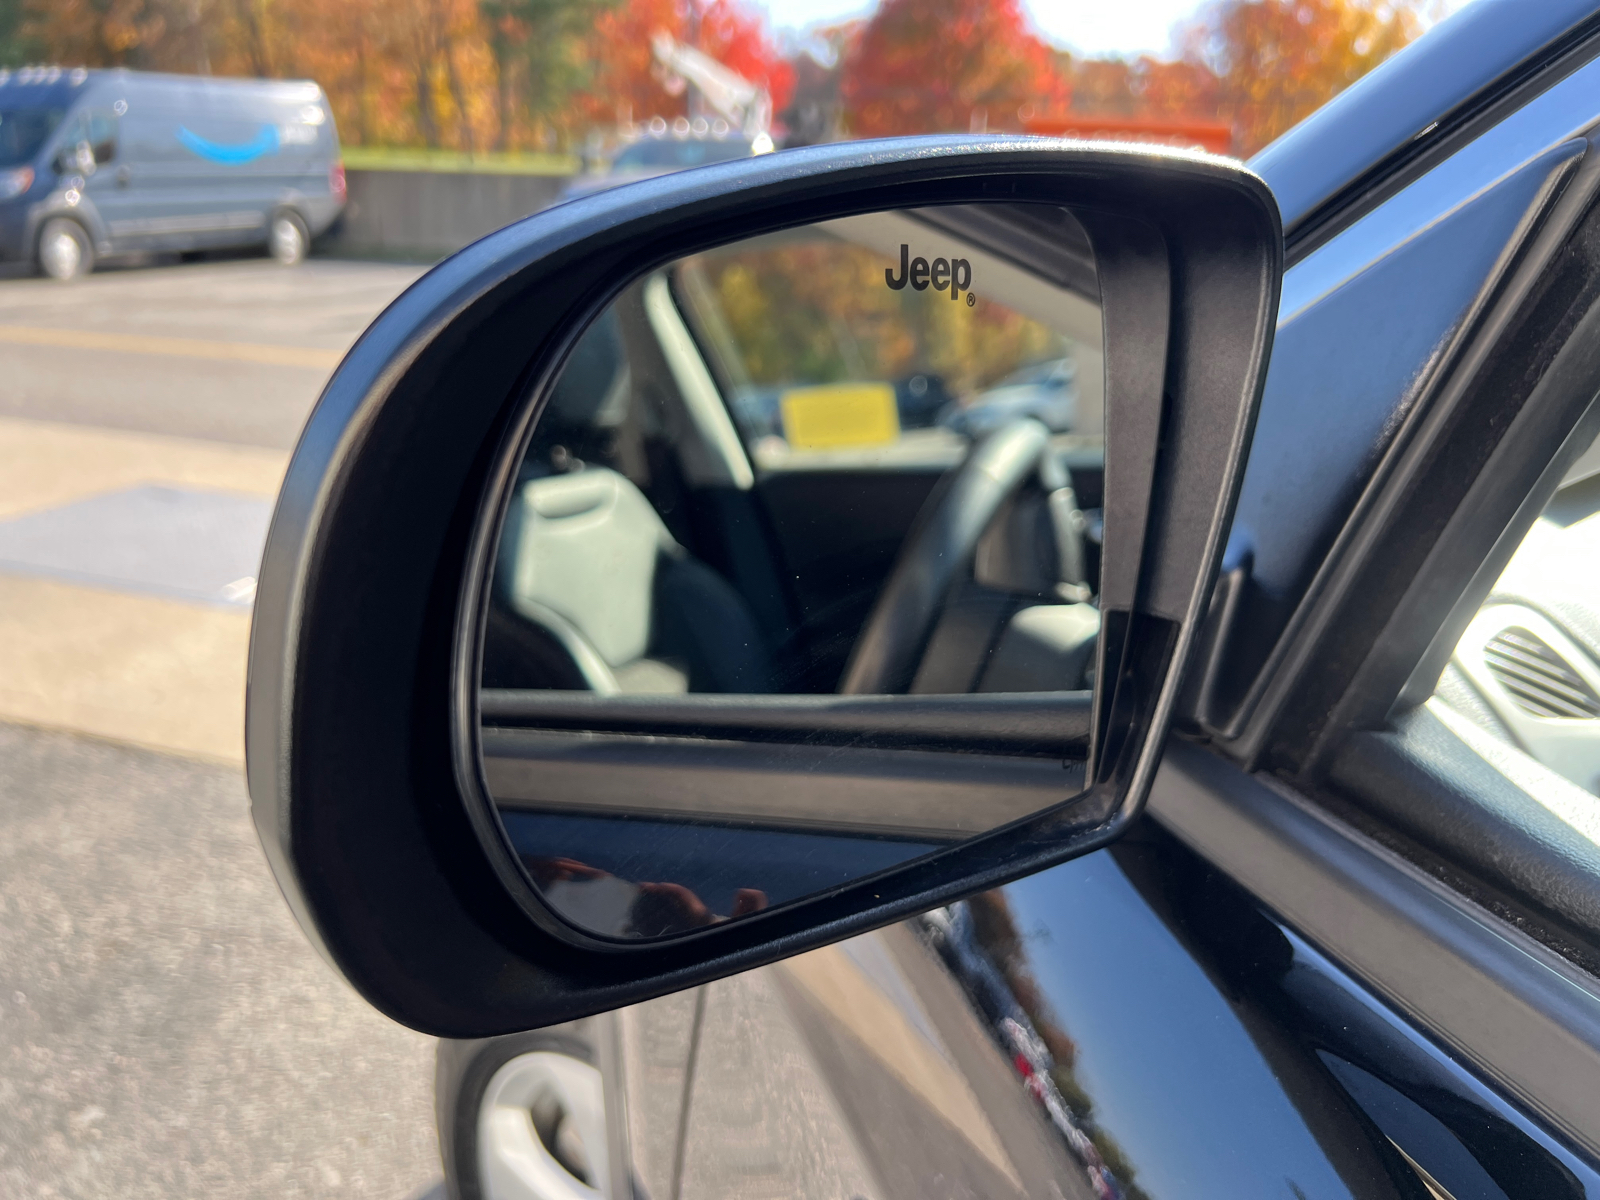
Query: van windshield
x,y
23,131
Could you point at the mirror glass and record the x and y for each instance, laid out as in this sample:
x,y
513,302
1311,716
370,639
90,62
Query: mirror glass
x,y
846,475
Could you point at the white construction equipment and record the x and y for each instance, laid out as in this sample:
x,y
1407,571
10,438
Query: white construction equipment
x,y
745,105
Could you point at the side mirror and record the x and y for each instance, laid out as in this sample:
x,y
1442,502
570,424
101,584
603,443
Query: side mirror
x,y
718,566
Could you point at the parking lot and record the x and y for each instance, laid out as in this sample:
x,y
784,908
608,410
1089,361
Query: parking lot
x,y
164,1027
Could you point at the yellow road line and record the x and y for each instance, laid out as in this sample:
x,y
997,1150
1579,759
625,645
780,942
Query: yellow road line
x,y
136,343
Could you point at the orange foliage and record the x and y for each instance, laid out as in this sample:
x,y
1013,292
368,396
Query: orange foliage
x,y
475,74
737,38
97,32
1259,65
1277,61
627,84
465,74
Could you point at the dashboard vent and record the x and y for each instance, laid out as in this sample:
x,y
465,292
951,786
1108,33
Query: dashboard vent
x,y
1539,679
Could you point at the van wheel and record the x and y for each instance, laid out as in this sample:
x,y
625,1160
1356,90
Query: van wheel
x,y
521,1117
65,252
288,239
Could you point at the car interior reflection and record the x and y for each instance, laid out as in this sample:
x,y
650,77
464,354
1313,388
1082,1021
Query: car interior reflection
x,y
766,472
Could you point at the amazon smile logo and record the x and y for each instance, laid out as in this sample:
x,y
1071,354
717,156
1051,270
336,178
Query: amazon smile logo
x,y
953,275
268,140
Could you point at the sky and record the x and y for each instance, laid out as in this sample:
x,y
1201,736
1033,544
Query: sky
x,y
1091,27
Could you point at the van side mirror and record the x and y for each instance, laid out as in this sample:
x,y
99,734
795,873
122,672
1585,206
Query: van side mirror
x,y
77,158
632,616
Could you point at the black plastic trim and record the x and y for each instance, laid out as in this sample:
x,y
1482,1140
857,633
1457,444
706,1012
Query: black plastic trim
x,y
1505,391
1504,846
1046,723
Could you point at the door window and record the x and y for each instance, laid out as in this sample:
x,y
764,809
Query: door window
x,y
845,342
1526,673
95,129
23,132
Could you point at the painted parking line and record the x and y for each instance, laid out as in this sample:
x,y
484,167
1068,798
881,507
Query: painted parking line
x,y
132,343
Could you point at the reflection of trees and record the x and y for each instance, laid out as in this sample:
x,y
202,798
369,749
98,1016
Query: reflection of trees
x,y
818,311
982,940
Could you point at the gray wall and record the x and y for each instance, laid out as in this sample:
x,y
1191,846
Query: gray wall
x,y
428,214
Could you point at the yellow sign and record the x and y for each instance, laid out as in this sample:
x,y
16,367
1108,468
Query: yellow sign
x,y
836,415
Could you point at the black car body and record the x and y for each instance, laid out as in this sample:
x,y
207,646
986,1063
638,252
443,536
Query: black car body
x,y
1300,977
1349,948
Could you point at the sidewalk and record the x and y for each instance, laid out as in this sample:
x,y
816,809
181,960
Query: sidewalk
x,y
107,660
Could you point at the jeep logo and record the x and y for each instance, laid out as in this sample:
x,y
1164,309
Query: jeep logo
x,y
952,275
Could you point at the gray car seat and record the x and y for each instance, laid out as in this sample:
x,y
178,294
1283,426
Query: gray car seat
x,y
587,563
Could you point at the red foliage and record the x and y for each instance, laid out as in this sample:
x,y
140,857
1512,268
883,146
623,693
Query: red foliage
x,y
626,82
624,85
930,66
737,38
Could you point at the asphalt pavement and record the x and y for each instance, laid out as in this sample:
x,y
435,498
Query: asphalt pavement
x,y
165,1030
225,351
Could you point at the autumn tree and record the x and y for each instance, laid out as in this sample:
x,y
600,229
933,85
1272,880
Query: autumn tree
x,y
925,66
737,37
628,85
97,33
1100,85
540,57
18,47
1277,61
1257,65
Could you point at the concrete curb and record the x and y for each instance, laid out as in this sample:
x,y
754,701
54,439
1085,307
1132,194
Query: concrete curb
x,y
425,215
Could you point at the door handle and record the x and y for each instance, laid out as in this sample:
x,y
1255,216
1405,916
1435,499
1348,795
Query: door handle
x,y
124,177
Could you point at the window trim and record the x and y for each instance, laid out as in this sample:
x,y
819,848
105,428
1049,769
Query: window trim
x,y
1517,1013
1329,674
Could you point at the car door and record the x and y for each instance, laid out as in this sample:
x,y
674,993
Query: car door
x,y
90,151
1153,999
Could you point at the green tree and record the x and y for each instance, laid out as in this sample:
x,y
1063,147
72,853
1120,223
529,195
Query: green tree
x,y
538,54
18,45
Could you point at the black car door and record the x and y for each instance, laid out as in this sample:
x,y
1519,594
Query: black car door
x,y
1345,956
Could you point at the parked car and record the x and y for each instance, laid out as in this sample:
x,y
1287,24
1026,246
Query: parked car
x,y
1046,391
919,399
661,148
97,163
807,934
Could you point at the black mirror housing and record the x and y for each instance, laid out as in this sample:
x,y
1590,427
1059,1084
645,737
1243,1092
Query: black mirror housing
x,y
362,719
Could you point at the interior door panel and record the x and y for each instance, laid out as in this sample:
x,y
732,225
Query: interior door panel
x,y
837,534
